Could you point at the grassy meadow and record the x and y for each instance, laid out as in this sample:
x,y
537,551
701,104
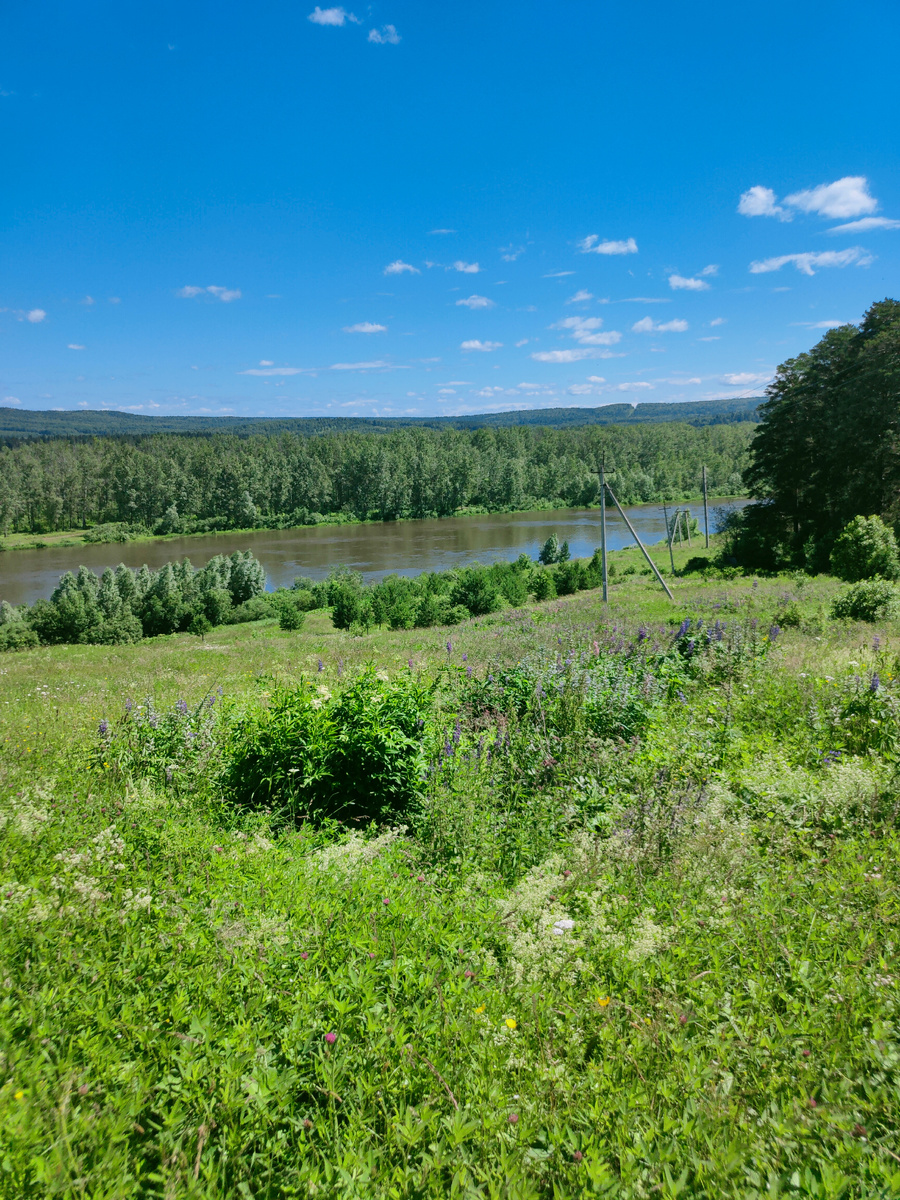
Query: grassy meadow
x,y
614,911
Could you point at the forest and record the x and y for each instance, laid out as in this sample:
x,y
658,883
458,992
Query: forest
x,y
827,447
171,483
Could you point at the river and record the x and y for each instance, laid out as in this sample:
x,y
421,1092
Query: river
x,y
398,547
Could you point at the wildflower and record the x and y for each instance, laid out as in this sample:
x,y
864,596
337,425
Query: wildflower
x,y
385,901
510,1023
321,666
468,975
330,1038
449,647
420,879
128,706
875,682
603,1001
773,633
410,664
813,1103
682,628
876,643
103,727
181,705
513,1118
806,1053
681,696
479,1009
465,658
682,1020
469,671
457,731
304,955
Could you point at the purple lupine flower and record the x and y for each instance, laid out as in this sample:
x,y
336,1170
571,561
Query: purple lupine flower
x,y
103,727
321,666
457,730
490,679
683,627
469,671
449,647
773,633
181,706
875,682
128,706
681,696
410,664
448,749
876,643
465,658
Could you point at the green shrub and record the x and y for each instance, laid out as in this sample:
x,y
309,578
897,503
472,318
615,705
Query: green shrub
x,y
868,600
17,636
569,577
474,591
543,586
260,608
291,618
357,757
866,548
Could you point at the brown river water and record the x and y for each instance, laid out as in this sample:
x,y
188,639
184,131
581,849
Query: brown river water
x,y
391,547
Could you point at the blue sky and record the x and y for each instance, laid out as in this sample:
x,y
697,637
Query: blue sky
x,y
287,209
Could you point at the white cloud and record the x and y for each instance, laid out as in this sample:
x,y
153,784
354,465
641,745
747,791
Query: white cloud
x,y
466,268
398,266
865,225
591,245
365,327
510,253
717,321
634,387
558,274
226,295
11,400
580,297
476,302
760,202
681,283
583,330
446,391
459,383
266,362
522,342
806,262
648,325
74,346
580,389
710,269
35,316
822,324
387,37
746,378
709,339
596,379
267,370
331,16
847,197
475,344
87,301
610,338
561,356
432,231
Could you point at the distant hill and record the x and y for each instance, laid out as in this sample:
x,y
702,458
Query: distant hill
x,y
17,424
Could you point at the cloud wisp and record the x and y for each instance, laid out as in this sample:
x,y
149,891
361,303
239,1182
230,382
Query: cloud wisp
x,y
585,331
386,36
693,283
648,325
840,200
476,344
581,297
465,268
398,267
226,295
809,263
332,16
593,245
475,301
365,327
866,225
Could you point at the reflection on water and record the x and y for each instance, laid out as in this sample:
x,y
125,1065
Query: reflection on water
x,y
401,547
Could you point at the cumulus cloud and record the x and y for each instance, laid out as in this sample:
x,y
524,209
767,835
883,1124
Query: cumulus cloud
x,y
648,325
475,344
592,245
365,327
687,284
398,266
11,400
466,268
561,356
746,378
866,225
641,386
584,331
809,262
266,362
717,321
226,295
331,16
580,297
475,301
35,316
388,36
760,202
847,197
74,346
580,389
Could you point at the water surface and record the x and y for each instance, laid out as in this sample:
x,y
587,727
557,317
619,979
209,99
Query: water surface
x,y
391,547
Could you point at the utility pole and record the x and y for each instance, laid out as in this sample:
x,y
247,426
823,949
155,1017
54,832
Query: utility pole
x,y
705,508
687,525
603,529
650,561
669,536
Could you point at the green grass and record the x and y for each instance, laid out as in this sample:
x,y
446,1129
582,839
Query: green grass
x,y
719,1021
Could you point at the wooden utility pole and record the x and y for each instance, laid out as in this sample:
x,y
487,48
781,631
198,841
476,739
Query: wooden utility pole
x,y
705,508
650,561
669,537
687,525
603,530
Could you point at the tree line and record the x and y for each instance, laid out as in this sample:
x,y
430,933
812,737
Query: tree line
x,y
827,448
172,483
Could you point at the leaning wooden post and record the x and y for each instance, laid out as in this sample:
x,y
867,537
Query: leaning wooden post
x,y
603,531
687,525
669,536
705,508
640,543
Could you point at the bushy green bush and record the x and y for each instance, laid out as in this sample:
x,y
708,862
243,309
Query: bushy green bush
x,y
356,757
474,591
866,548
868,600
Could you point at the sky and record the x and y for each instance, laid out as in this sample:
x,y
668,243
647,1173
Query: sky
x,y
288,209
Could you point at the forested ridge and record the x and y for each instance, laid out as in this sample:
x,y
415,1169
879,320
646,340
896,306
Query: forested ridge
x,y
172,483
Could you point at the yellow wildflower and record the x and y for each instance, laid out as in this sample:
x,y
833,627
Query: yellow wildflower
x,y
480,1008
603,1001
510,1023
19,1096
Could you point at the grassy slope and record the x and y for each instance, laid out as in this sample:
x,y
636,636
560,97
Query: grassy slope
x,y
728,1029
